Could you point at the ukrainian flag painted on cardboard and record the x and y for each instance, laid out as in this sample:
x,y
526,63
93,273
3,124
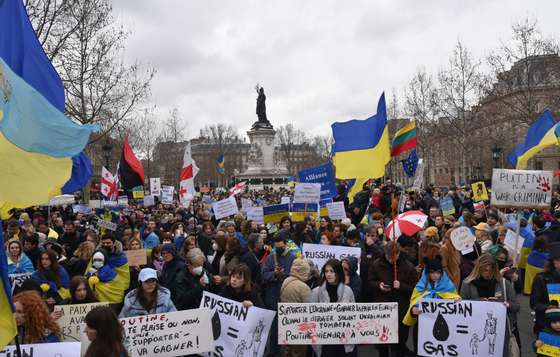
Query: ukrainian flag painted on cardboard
x,y
7,323
300,210
553,292
551,344
361,147
273,214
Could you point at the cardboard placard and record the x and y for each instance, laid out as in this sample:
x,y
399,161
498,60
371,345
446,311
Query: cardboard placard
x,y
73,318
301,210
167,195
155,186
273,214
321,253
307,192
255,214
521,188
59,349
137,257
225,208
463,239
336,210
17,280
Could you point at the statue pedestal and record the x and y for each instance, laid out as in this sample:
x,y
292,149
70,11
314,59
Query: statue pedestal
x,y
263,169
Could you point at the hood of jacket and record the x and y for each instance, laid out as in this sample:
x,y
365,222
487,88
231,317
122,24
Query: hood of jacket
x,y
300,269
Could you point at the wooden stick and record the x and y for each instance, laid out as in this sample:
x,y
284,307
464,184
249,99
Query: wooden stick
x,y
517,230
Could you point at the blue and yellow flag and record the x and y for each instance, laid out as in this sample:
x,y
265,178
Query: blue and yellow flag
x,y
8,327
535,264
361,147
551,344
553,291
541,134
221,164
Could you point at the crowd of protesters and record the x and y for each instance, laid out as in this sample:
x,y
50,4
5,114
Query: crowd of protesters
x,y
74,260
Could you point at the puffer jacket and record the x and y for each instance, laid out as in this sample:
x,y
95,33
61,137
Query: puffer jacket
x,y
132,306
294,288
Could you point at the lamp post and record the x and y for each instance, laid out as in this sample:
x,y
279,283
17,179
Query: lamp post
x,y
107,147
496,151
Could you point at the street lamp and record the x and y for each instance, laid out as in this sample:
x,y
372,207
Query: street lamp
x,y
496,151
107,147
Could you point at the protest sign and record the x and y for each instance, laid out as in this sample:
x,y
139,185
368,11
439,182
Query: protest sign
x,y
59,349
149,200
138,192
171,334
84,209
321,253
307,192
447,207
521,188
285,200
323,175
300,210
137,257
510,240
463,239
246,204
480,193
337,323
94,203
73,318
208,199
122,200
109,203
167,195
238,331
461,327
419,175
225,208
551,345
255,214
17,280
107,225
273,214
155,186
336,210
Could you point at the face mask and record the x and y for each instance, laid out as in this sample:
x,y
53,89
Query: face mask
x,y
215,247
98,264
197,271
160,258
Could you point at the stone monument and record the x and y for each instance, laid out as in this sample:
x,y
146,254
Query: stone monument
x,y
264,168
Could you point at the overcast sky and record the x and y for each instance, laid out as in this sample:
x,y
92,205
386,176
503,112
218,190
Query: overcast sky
x,y
319,61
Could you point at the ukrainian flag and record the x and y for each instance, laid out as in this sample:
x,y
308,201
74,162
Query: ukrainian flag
x,y
221,164
540,135
8,327
553,292
535,265
35,136
361,147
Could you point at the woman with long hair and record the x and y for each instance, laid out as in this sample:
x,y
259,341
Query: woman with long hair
x,y
148,298
239,287
486,283
52,278
80,291
77,265
332,290
228,260
219,248
105,333
35,324
18,262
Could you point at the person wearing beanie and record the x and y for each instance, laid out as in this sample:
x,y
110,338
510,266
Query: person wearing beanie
x,y
552,331
172,264
545,285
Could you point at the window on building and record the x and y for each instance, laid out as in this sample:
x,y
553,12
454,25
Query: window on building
x,y
538,165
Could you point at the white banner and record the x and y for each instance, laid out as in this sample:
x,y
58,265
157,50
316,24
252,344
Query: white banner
x,y
246,204
167,335
60,349
320,253
461,328
336,210
149,200
17,280
155,186
338,323
285,199
521,188
167,195
255,214
238,331
225,208
307,192
73,316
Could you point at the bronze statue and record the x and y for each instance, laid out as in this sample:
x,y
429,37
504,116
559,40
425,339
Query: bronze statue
x,y
261,109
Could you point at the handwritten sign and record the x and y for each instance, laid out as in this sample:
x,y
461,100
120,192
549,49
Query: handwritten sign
x,y
167,195
321,253
463,239
166,335
509,241
338,323
246,204
155,186
307,192
60,349
17,280
112,226
137,257
238,331
149,200
447,207
336,210
122,200
255,214
521,188
285,200
73,318
461,327
225,208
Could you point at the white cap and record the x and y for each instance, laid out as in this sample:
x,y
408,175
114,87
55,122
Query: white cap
x,y
147,274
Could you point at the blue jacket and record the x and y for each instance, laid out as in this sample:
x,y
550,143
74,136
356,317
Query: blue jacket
x,y
151,241
132,306
23,266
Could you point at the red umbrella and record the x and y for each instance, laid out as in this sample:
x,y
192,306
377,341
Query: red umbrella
x,y
408,223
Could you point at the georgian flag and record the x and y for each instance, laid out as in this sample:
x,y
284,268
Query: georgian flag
x,y
109,185
240,187
186,179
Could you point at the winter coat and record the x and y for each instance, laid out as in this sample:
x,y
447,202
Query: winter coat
x,y
170,270
23,265
76,266
150,241
132,306
187,291
539,296
355,282
382,271
205,243
320,295
272,281
253,295
294,288
451,260
248,258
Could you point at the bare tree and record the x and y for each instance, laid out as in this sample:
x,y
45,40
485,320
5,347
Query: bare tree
x,y
173,128
322,146
290,141
144,135
519,73
220,139
84,43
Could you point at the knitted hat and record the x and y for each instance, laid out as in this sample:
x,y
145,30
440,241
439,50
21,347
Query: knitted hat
x,y
434,264
552,314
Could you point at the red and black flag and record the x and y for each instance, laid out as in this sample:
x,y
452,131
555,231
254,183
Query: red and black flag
x,y
131,171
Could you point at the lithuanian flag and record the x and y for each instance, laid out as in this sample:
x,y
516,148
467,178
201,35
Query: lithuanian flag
x,y
405,139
